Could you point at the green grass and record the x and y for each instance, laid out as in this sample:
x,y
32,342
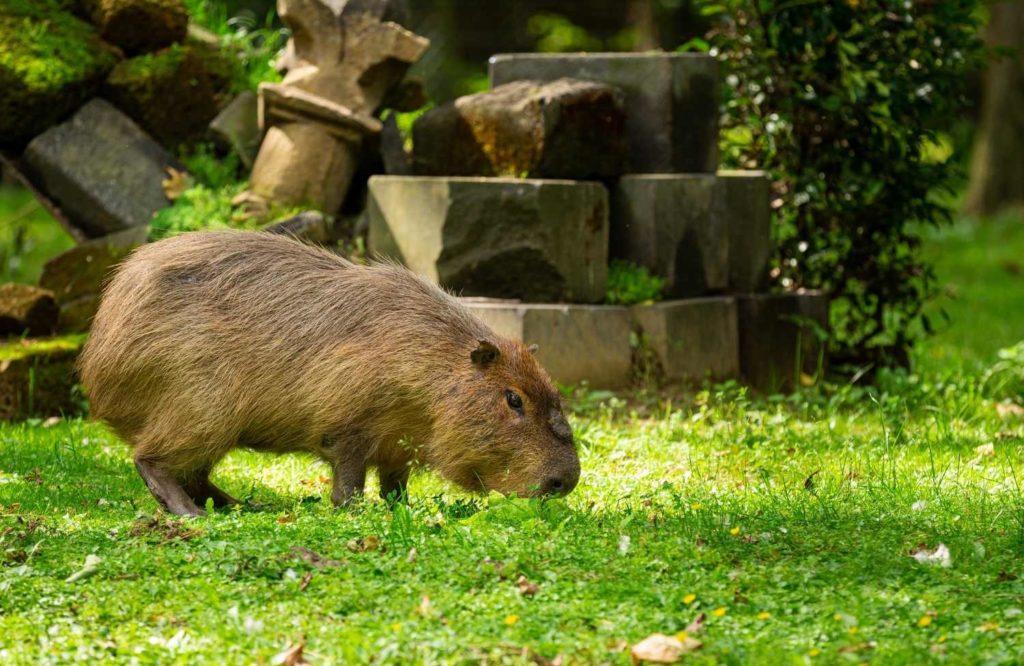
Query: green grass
x,y
28,236
788,523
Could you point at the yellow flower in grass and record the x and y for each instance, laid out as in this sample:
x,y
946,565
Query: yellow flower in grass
x,y
924,621
763,615
511,619
734,531
689,599
720,611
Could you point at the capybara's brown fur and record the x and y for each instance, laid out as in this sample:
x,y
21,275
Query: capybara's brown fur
x,y
209,341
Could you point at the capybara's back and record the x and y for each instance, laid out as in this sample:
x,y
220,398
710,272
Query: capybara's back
x,y
208,341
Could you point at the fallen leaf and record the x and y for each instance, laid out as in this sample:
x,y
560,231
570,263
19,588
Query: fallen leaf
x,y
986,450
286,518
526,588
175,184
364,544
89,568
291,656
35,476
309,557
697,625
304,583
662,649
1008,409
939,555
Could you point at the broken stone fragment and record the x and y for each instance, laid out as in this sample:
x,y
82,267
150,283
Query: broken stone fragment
x,y
27,310
37,377
237,127
534,240
76,277
101,169
671,101
561,129
139,26
575,343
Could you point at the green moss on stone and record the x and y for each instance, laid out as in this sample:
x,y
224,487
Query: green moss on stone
x,y
14,350
50,63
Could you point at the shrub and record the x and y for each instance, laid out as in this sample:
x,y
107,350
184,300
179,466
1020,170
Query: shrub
x,y
629,284
843,103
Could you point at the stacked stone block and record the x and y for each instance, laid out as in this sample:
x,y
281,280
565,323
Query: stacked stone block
x,y
536,247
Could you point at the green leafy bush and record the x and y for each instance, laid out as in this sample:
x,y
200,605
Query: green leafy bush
x,y
844,103
254,43
629,284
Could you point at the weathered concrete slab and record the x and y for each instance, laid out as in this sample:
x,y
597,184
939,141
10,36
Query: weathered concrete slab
x,y
560,129
779,341
101,169
534,240
237,127
37,377
576,343
703,233
76,277
693,339
671,101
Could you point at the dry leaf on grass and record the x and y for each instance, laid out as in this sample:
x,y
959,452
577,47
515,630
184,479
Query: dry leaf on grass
x,y
364,544
175,184
291,656
1008,409
662,649
939,555
309,557
526,588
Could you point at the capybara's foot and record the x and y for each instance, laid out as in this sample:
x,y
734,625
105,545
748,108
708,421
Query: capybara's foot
x,y
167,489
393,483
201,488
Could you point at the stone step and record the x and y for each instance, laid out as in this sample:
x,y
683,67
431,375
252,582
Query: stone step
x,y
703,233
576,343
527,239
779,337
37,377
692,339
671,100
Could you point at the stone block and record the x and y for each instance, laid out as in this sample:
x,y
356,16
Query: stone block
x,y
308,226
76,277
37,377
559,129
170,94
533,240
237,127
779,339
101,169
139,26
703,233
575,342
25,309
671,101
691,339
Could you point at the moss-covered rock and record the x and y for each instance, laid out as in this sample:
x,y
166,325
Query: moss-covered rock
x,y
50,64
37,377
170,94
139,26
27,309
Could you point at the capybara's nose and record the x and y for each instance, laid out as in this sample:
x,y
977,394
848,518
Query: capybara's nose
x,y
562,484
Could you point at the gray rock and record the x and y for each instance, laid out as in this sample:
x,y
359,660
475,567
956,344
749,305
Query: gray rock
x,y
780,339
310,226
576,343
76,277
534,240
237,127
101,169
692,339
560,129
671,101
704,234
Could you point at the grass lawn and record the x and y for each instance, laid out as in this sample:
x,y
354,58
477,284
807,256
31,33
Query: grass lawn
x,y
787,525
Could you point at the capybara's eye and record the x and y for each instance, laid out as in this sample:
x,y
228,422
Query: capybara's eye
x,y
514,401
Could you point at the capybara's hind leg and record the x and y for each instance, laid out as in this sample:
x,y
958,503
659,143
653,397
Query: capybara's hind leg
x,y
166,488
200,488
393,482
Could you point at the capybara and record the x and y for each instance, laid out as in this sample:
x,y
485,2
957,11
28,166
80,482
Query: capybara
x,y
214,340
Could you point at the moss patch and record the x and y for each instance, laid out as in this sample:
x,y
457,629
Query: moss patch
x,y
14,350
50,63
37,377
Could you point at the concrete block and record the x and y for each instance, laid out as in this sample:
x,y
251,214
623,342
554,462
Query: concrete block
x,y
778,338
532,240
671,100
575,342
692,339
703,233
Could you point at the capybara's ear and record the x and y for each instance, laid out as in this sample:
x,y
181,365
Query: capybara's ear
x,y
485,354
533,348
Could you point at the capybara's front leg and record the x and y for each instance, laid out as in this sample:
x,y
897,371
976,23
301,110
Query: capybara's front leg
x,y
393,482
349,479
166,488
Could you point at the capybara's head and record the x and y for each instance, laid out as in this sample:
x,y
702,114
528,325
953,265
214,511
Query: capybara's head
x,y
505,430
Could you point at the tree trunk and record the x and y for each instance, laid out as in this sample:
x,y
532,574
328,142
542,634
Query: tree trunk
x,y
997,166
